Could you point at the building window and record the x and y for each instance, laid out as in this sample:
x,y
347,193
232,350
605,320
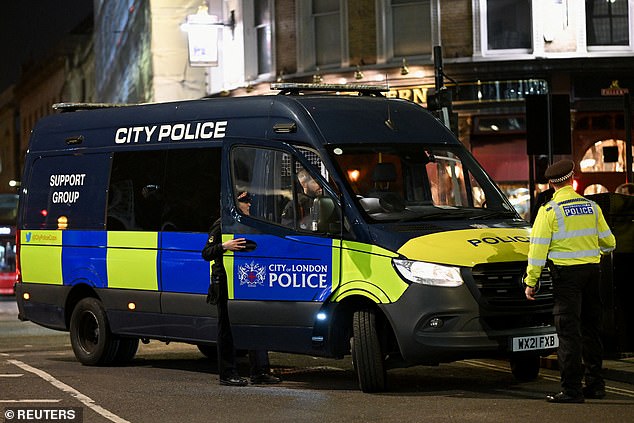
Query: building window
x,y
262,24
259,48
410,27
605,156
406,29
507,25
326,17
322,34
607,23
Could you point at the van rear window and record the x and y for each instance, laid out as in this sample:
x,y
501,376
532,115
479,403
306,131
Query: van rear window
x,y
67,192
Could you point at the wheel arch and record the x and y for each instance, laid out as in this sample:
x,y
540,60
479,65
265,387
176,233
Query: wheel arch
x,y
341,325
76,294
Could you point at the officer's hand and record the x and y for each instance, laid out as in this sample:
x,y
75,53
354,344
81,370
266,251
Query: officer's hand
x,y
530,292
235,244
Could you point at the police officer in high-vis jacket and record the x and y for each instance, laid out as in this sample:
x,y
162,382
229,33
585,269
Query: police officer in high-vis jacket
x,y
571,233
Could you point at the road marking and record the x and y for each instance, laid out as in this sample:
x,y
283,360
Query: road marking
x,y
611,389
87,401
12,375
29,401
620,391
495,367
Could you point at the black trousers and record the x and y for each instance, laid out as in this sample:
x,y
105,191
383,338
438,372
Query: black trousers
x,y
258,359
578,320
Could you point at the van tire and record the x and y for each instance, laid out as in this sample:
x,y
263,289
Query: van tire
x,y
126,351
90,336
367,356
525,367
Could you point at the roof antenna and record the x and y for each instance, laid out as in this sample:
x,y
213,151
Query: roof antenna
x,y
389,123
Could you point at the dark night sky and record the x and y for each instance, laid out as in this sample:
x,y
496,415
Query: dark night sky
x,y
30,28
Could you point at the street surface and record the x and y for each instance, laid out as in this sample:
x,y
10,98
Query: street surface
x,y
175,383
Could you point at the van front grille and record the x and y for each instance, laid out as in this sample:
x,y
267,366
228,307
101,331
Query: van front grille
x,y
500,285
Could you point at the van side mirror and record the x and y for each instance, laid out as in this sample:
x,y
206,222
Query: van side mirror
x,y
325,215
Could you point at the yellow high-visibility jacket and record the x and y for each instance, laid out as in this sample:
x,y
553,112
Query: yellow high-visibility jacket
x,y
568,230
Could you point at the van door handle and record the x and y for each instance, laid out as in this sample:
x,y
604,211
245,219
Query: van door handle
x,y
249,245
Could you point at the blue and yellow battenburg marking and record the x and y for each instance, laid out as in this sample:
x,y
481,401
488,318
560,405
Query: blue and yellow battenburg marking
x,y
149,261
297,268
469,247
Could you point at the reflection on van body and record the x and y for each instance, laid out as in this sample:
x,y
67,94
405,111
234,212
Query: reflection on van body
x,y
402,252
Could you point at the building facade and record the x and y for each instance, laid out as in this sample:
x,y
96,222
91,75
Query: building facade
x,y
494,54
66,74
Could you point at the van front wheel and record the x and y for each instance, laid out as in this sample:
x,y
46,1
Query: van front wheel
x,y
90,336
525,366
366,352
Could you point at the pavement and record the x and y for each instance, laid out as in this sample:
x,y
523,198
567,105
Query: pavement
x,y
616,367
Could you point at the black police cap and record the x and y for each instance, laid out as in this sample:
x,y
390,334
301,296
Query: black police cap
x,y
244,197
560,171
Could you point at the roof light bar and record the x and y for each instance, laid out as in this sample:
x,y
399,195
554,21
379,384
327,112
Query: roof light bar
x,y
291,87
73,107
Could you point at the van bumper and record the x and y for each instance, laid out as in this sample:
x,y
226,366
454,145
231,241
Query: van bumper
x,y
436,324
44,305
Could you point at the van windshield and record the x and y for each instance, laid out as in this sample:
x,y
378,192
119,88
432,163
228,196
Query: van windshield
x,y
409,182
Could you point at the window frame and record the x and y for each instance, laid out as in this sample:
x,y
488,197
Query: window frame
x,y
306,40
385,32
251,46
297,157
480,17
610,48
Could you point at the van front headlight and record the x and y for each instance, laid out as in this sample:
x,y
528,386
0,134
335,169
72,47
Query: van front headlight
x,y
428,273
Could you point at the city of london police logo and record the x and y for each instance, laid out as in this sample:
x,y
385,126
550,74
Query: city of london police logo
x,y
251,274
277,275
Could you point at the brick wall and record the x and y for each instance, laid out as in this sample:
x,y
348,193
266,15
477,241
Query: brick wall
x,y
285,33
362,32
456,28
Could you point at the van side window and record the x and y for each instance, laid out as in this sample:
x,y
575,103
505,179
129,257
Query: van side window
x,y
282,191
265,174
192,190
175,190
66,192
135,196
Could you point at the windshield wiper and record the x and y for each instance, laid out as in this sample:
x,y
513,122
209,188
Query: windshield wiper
x,y
445,214
494,213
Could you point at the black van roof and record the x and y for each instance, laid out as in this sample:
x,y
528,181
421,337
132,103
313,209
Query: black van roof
x,y
310,118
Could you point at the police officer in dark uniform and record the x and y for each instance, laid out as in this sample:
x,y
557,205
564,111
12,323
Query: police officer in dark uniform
x,y
305,199
259,359
571,233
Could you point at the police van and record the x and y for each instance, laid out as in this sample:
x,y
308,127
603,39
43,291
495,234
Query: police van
x,y
409,255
